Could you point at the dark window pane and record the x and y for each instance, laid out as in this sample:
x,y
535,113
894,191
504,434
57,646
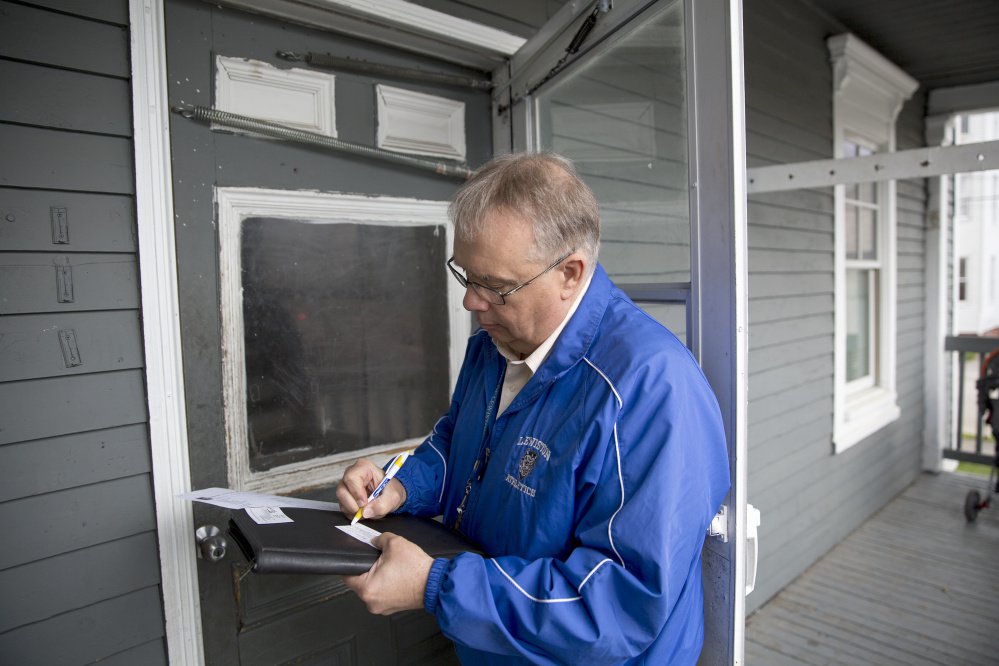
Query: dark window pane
x,y
346,336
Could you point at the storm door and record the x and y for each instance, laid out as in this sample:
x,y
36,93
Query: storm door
x,y
317,320
648,104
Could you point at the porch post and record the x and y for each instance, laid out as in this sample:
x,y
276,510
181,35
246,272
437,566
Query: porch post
x,y
937,369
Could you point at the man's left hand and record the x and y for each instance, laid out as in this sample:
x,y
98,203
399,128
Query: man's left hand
x,y
398,579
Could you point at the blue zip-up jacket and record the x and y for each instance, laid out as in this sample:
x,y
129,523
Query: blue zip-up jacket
x,y
591,493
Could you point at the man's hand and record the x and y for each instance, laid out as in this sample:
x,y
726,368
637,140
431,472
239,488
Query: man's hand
x,y
359,481
398,579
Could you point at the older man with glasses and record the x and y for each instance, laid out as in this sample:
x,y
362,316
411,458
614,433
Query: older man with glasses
x,y
583,449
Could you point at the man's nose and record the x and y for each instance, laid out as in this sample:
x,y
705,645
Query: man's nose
x,y
473,302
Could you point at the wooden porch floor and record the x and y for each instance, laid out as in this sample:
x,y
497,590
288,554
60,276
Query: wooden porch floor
x,y
915,584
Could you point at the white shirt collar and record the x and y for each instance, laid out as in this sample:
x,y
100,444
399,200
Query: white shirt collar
x,y
538,356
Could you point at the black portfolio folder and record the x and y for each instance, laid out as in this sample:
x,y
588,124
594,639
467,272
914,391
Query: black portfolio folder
x,y
312,544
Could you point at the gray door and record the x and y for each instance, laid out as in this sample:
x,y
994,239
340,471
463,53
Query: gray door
x,y
314,326
651,111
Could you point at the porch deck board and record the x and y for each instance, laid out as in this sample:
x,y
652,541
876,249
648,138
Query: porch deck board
x,y
915,584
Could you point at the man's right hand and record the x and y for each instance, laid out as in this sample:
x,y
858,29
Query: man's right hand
x,y
359,481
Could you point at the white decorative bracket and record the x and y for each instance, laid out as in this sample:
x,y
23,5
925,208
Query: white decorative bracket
x,y
420,124
295,97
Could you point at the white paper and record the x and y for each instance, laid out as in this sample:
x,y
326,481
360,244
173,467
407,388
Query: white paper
x,y
267,515
360,532
231,499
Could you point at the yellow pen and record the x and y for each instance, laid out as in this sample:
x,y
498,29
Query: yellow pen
x,y
393,468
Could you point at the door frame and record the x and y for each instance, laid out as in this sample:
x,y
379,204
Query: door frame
x,y
718,189
164,367
717,336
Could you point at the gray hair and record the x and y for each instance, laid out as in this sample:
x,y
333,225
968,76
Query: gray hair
x,y
543,188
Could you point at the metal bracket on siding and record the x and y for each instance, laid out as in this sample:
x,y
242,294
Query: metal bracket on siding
x,y
914,163
60,225
70,350
64,283
279,131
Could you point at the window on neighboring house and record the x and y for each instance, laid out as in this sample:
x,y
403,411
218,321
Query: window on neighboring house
x,y
868,94
962,279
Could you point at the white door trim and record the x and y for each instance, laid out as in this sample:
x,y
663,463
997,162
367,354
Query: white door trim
x,y
161,333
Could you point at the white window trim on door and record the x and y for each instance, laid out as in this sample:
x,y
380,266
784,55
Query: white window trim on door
x,y
236,204
868,93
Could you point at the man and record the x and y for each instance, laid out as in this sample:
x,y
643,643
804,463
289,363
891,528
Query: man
x,y
583,449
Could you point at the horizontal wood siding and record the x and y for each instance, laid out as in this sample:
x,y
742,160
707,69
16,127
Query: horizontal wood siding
x,y
79,570
810,498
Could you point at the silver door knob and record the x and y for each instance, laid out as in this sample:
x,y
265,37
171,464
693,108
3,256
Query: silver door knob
x,y
211,543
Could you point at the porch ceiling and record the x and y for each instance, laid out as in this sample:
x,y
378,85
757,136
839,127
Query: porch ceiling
x,y
941,43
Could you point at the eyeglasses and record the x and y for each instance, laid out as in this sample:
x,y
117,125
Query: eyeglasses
x,y
488,293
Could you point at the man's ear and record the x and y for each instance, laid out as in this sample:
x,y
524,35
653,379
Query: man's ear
x,y
573,270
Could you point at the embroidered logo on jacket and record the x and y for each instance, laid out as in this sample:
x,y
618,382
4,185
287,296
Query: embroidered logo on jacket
x,y
527,462
536,449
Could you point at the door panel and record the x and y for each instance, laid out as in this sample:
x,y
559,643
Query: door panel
x,y
246,618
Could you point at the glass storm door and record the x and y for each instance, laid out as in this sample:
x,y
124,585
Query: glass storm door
x,y
652,117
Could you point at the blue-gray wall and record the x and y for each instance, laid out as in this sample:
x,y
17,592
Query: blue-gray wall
x,y
79,569
809,497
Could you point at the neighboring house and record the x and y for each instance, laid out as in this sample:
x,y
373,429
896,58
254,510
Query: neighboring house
x,y
137,344
977,239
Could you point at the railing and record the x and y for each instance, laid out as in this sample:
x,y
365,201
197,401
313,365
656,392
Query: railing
x,y
964,344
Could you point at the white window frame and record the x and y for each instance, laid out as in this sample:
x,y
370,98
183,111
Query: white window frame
x,y
234,205
868,93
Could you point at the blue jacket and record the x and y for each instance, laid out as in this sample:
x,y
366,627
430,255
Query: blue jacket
x,y
591,493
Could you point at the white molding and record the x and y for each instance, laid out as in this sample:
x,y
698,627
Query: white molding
x,y
397,23
867,412
864,75
161,333
236,204
298,98
420,124
868,92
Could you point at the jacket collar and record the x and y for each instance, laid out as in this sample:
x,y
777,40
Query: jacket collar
x,y
577,336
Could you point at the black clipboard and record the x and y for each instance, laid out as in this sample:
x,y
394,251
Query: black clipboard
x,y
312,544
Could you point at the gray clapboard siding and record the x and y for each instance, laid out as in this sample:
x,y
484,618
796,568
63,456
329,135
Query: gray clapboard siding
x,y
152,653
34,157
52,38
110,11
61,99
767,357
94,222
806,412
30,282
766,309
60,522
58,463
775,212
48,345
74,580
777,406
782,332
792,434
87,635
66,405
806,138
